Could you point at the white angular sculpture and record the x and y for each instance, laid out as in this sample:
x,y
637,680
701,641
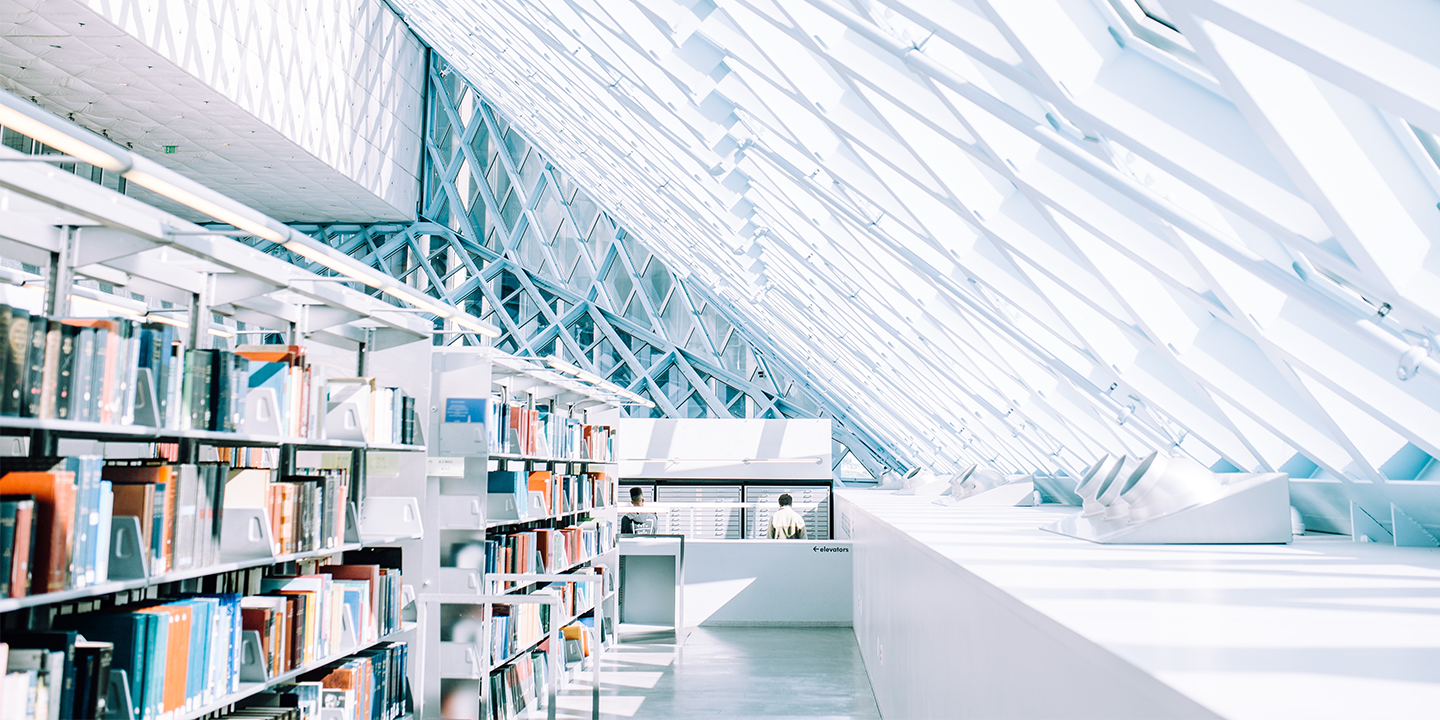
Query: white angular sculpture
x,y
1166,484
1105,472
957,481
1088,482
890,480
925,484
980,480
1176,500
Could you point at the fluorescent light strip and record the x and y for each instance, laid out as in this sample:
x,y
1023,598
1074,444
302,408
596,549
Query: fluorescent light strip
x,y
26,119
49,129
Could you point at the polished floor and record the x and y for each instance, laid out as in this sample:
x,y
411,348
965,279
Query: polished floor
x,y
740,673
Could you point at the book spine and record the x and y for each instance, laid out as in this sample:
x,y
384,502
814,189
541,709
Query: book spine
x,y
34,384
17,368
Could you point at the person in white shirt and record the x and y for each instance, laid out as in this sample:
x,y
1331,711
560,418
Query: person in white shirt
x,y
637,523
786,524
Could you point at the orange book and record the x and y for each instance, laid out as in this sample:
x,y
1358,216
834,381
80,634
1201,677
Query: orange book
x,y
54,523
540,480
177,655
167,526
270,353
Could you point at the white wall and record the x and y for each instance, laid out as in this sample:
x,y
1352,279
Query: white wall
x,y
939,642
720,449
768,582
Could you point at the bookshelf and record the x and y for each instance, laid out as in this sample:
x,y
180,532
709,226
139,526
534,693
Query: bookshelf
x,y
344,495
481,518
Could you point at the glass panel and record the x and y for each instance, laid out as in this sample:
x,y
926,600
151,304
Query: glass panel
x,y
499,182
693,407
510,211
580,277
622,375
585,211
617,281
531,172
549,212
672,383
736,357
531,255
605,357
566,252
636,312
583,330
600,239
480,145
465,186
657,282
637,252
516,145
677,318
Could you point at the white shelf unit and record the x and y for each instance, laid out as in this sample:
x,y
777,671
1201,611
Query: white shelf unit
x,y
74,229
461,496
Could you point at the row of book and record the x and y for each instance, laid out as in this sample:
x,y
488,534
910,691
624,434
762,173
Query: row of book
x,y
543,550
516,429
45,677
54,524
359,409
370,685
178,655
540,493
56,515
126,372
572,493
519,685
306,511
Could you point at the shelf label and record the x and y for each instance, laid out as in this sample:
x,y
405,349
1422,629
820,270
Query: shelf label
x,y
445,467
465,410
383,464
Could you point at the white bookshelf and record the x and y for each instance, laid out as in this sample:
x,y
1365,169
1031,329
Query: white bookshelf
x,y
461,499
74,229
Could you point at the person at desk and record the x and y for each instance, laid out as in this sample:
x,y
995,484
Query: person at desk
x,y
637,523
786,524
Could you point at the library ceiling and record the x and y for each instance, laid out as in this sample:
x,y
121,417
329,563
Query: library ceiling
x,y
992,233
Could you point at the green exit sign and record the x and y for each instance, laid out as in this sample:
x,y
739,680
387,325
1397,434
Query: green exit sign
x,y
170,149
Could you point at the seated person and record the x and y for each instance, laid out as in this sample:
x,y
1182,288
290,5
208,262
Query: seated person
x,y
637,523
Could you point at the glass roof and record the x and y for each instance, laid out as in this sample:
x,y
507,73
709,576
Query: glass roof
x,y
987,232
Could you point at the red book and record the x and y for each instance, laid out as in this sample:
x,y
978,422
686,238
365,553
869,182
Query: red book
x,y
54,522
24,543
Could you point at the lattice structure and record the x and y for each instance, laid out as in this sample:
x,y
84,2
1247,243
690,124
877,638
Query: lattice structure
x,y
561,279
1022,233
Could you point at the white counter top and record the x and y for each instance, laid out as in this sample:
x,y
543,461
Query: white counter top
x,y
1322,628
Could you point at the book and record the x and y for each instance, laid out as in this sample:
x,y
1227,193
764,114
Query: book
x,y
92,677
23,555
61,642
54,494
34,382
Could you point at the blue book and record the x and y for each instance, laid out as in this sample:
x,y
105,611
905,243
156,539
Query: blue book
x,y
223,664
129,632
200,626
87,469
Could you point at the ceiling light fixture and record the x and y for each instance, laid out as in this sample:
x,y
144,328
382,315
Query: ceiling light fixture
x,y
26,119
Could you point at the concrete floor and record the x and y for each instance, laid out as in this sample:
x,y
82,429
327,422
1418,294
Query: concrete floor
x,y
730,672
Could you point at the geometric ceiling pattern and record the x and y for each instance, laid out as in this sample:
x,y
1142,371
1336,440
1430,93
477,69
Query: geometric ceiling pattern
x,y
507,236
1024,233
